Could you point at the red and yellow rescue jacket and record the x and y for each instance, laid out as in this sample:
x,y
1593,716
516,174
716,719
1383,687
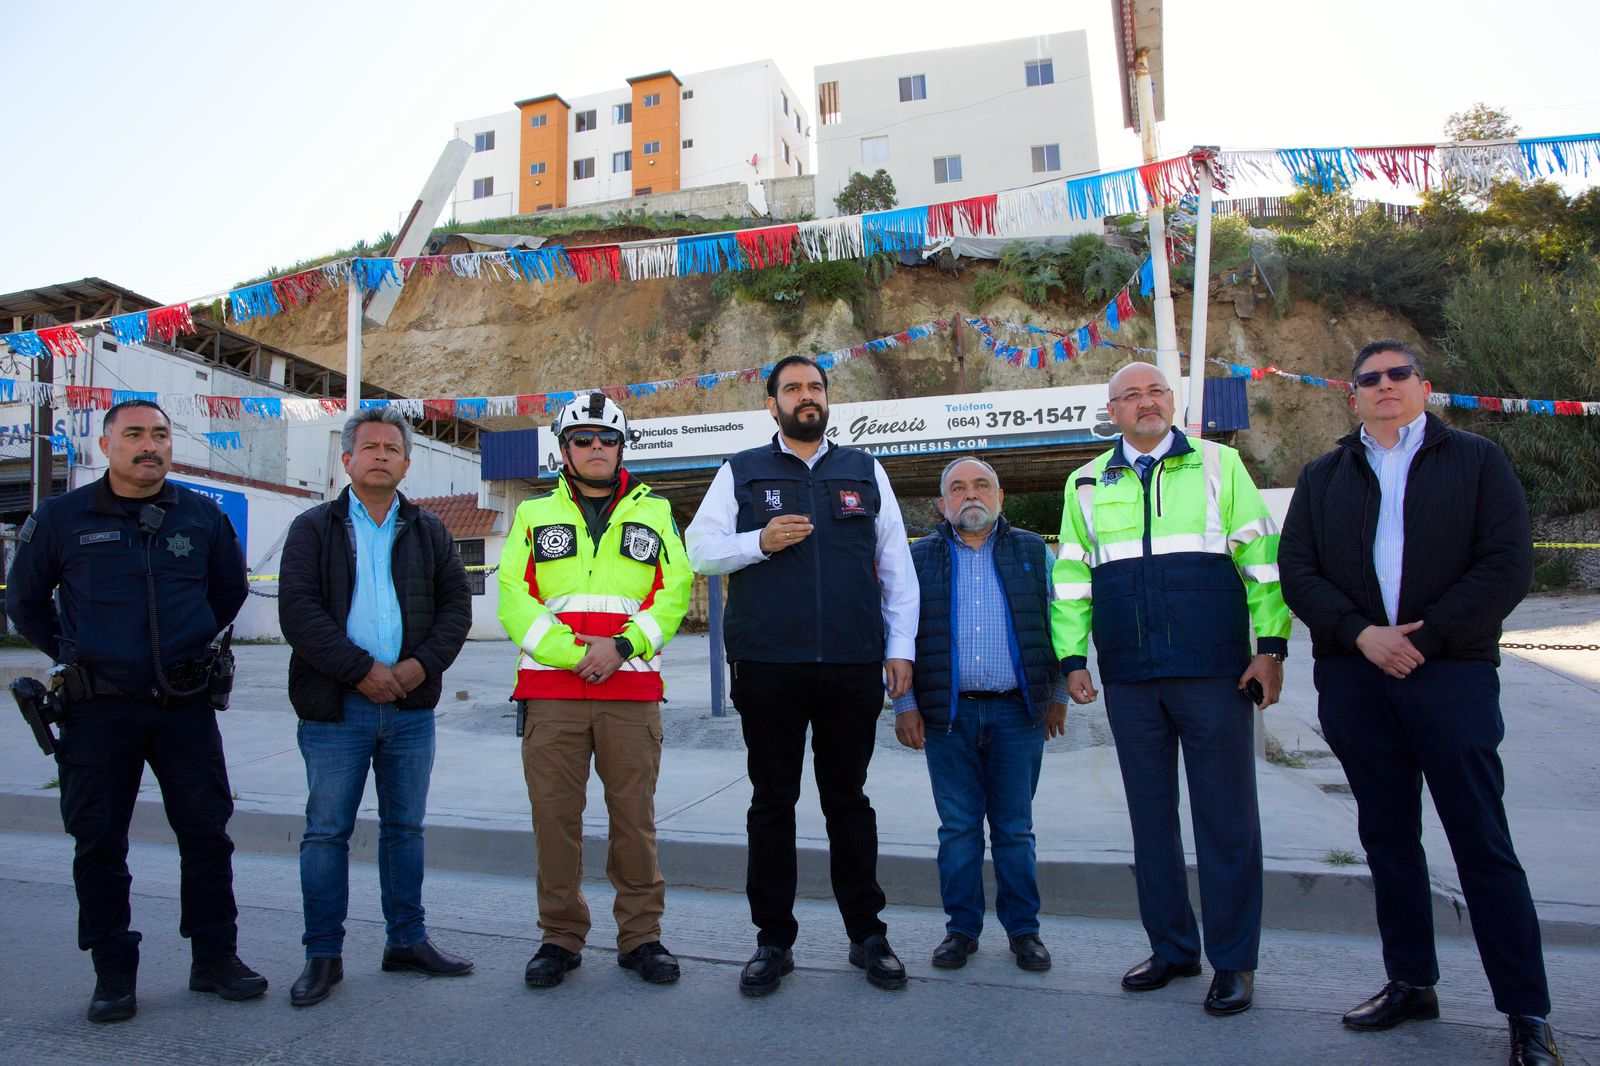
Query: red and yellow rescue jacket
x,y
555,581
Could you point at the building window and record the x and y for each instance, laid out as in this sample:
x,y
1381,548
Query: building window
x,y
471,552
621,114
584,121
946,168
535,169
828,103
582,168
482,188
535,121
689,143
785,98
1046,157
688,94
652,99
642,191
874,150
483,142
1040,71
797,122
652,147
799,168
913,87
621,161
786,151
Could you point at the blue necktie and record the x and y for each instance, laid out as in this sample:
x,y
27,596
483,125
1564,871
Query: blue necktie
x,y
1145,463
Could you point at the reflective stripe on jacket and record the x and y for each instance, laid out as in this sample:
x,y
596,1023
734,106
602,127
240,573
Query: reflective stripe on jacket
x,y
1171,577
556,581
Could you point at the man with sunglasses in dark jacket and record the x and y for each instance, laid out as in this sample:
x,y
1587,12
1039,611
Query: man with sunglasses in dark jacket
x,y
1404,550
375,603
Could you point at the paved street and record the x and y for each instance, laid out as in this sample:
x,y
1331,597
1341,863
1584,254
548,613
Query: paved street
x,y
824,1013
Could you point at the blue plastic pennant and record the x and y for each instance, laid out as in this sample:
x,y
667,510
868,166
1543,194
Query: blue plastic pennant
x,y
1113,318
1102,195
370,274
541,264
224,441
130,329
1560,155
710,254
26,344
889,231
1461,400
1084,343
472,407
1326,168
827,361
264,406
1060,351
1147,277
367,405
253,301
60,442
124,395
8,390
1542,407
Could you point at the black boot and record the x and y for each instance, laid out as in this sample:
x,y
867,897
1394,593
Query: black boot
x,y
316,981
113,999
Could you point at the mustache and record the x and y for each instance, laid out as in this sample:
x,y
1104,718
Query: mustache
x,y
152,456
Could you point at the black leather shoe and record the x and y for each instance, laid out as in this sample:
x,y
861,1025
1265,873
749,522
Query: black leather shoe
x,y
423,957
654,963
952,952
884,969
1155,972
1532,1043
1398,1002
1232,992
1031,953
316,981
229,978
765,970
113,999
549,965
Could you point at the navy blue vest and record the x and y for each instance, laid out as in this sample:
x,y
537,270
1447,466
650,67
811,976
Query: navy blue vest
x,y
818,602
1019,558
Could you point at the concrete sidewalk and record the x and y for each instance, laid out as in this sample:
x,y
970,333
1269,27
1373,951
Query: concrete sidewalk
x,y
478,807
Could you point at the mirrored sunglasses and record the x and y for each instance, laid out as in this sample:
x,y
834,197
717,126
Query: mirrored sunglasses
x,y
1395,373
609,438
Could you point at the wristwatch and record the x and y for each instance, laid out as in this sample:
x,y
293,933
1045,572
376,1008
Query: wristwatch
x,y
1278,655
624,647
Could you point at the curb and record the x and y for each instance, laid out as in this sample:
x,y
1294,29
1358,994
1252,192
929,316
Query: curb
x,y
1294,899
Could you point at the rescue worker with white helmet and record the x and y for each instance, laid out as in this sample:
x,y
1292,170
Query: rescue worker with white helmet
x,y
594,581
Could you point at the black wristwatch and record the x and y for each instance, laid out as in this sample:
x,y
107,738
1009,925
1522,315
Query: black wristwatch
x,y
624,647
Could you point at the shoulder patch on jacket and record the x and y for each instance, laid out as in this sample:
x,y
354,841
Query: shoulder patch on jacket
x,y
554,542
25,534
1082,481
640,543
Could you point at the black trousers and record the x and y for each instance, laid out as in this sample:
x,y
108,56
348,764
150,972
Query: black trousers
x,y
840,703
104,747
1441,724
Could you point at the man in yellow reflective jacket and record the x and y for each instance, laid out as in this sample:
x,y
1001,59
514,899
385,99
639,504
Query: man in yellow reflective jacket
x,y
1169,556
593,583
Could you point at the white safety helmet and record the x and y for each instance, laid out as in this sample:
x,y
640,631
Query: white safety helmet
x,y
595,409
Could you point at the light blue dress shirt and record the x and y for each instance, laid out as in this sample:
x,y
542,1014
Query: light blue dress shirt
x,y
1392,466
375,624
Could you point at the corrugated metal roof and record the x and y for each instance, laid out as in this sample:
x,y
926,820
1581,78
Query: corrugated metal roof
x,y
1227,405
509,454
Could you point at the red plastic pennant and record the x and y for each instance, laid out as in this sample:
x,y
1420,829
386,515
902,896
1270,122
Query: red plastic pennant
x,y
169,322
1569,407
83,397
62,341
769,246
333,407
297,289
222,406
1124,305
531,403
439,410
1094,335
1410,164
978,212
595,263
1490,403
1168,180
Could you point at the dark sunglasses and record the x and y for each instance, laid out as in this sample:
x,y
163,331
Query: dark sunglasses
x,y
608,438
1396,373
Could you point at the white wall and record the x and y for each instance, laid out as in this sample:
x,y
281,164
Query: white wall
x,y
500,163
607,137
978,106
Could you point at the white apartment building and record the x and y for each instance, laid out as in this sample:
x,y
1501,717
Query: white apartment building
x,y
657,133
959,122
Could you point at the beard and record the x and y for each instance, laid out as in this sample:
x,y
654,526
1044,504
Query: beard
x,y
795,428
973,518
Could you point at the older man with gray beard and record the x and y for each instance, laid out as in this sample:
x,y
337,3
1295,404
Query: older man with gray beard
x,y
981,706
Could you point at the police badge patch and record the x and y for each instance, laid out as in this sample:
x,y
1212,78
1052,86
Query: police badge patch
x,y
554,542
641,543
1111,475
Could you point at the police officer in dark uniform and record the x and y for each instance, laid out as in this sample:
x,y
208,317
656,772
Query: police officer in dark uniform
x,y
148,573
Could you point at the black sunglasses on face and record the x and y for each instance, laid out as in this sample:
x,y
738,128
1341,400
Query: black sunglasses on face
x,y
1396,373
608,438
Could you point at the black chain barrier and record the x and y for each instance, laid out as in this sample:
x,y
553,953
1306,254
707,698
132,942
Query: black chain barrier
x,y
1553,647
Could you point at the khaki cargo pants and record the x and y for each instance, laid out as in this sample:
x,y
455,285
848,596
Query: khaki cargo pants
x,y
623,737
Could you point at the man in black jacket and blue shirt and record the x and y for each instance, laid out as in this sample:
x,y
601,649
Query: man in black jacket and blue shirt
x,y
148,573
1404,550
375,603
982,708
822,603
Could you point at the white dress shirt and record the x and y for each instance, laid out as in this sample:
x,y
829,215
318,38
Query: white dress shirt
x,y
716,547
1392,467
1131,454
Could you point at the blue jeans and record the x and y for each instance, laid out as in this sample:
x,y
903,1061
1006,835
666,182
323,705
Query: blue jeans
x,y
398,745
987,764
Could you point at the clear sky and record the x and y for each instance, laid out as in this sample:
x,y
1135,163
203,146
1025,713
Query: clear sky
x,y
178,148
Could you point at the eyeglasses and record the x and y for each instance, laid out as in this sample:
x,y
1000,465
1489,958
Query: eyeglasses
x,y
1395,373
608,438
1135,395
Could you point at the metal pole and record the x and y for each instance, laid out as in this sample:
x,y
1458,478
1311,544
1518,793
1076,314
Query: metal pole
x,y
714,609
44,462
1202,296
956,322
352,351
1166,321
